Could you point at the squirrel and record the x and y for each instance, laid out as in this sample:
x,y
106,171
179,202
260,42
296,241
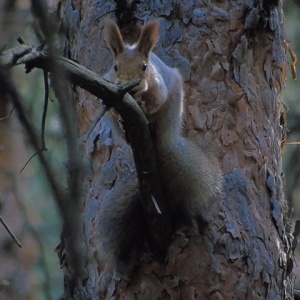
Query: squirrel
x,y
191,177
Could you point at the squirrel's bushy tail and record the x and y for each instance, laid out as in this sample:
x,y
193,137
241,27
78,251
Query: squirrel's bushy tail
x,y
121,227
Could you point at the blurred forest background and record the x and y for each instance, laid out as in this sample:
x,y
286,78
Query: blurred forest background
x,y
26,204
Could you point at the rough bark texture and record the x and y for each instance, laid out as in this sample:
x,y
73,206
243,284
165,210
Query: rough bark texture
x,y
231,56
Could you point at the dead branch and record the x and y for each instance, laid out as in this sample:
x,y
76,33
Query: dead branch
x,y
10,232
135,125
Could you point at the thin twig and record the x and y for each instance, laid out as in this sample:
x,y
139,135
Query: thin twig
x,y
10,232
292,143
30,158
10,113
293,55
46,100
35,234
128,87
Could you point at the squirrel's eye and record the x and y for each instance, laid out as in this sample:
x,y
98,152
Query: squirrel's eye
x,y
116,68
144,67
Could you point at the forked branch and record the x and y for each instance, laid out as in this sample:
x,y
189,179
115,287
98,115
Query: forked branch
x,y
135,125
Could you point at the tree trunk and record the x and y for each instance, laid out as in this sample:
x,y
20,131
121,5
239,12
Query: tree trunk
x,y
231,56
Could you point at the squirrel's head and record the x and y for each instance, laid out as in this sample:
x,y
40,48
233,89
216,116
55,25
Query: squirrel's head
x,y
132,61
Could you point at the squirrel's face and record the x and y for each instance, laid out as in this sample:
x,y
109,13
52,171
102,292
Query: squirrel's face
x,y
130,65
132,62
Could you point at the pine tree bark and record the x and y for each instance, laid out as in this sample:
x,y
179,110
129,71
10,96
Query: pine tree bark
x,y
231,56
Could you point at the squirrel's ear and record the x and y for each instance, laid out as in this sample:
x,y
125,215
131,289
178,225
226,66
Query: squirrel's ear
x,y
148,38
112,37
